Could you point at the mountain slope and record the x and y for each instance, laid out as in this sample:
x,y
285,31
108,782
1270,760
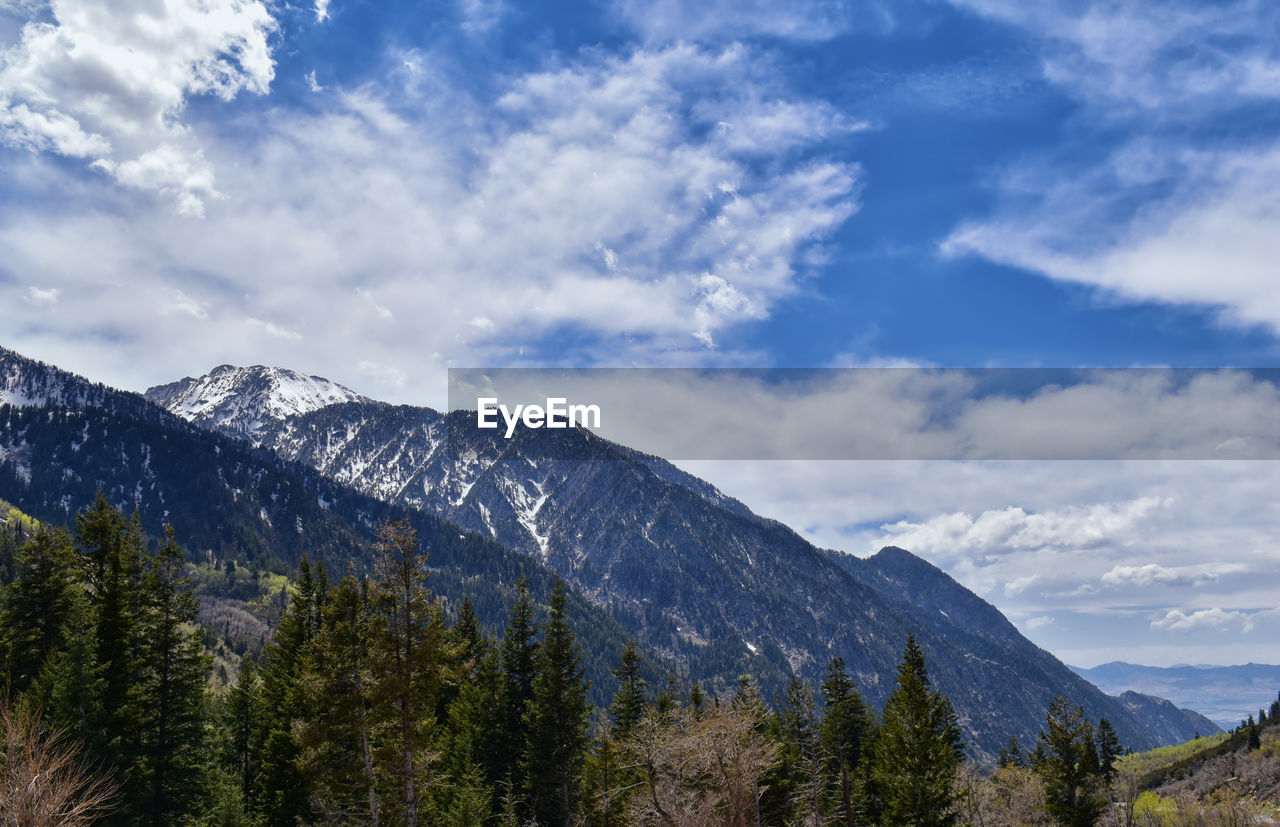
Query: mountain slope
x,y
1158,714
1225,694
228,500
693,573
242,401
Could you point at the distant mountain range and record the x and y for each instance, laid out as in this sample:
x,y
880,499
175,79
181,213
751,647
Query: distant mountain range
x,y
1226,695
265,463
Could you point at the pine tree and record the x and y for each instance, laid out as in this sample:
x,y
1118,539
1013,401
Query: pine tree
x,y
628,703
1109,749
556,721
240,751
1011,755
846,726
519,658
336,737
1067,759
409,654
798,785
176,669
918,750
112,552
281,797
37,607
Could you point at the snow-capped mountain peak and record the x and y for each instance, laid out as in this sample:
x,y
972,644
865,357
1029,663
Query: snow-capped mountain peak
x,y
243,401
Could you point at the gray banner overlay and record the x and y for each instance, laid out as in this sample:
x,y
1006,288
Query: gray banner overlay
x,y
873,413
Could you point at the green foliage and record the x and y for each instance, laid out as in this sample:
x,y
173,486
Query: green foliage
x,y
1066,757
555,721
629,703
175,670
336,735
408,655
38,605
917,750
843,734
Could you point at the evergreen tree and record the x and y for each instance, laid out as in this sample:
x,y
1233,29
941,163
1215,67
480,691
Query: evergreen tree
x,y
628,703
37,607
918,750
112,550
176,670
1011,755
409,654
556,721
519,657
281,797
1067,760
796,788
336,738
1109,749
846,726
240,752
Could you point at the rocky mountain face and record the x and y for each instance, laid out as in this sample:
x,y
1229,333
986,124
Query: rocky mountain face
x,y
1161,717
693,573
241,402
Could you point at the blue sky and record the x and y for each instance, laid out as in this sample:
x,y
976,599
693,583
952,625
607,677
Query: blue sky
x,y
377,191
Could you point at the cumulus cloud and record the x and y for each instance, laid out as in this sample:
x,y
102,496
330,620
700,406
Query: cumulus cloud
x,y
1013,529
107,83
42,295
1176,620
1152,574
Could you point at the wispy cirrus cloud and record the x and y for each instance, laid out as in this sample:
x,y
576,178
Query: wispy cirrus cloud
x,y
700,173
1179,211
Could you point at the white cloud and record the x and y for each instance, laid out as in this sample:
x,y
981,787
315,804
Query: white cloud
x,y
1169,63
108,83
47,296
668,20
1210,243
1214,543
481,16
417,191
322,10
312,83
386,375
1175,620
1174,215
1152,574
1039,622
1013,529
276,330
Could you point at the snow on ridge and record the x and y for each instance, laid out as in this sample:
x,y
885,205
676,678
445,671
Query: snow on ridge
x,y
246,399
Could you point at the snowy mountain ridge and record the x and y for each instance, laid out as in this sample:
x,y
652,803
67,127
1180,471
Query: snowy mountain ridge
x,y
247,401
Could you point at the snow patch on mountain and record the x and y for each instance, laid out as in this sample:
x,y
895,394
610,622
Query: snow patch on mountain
x,y
244,401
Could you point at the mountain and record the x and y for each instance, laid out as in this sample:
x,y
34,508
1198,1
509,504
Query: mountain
x,y
1161,717
1226,695
240,402
230,501
692,573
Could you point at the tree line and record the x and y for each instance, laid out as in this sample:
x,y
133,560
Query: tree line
x,y
374,705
